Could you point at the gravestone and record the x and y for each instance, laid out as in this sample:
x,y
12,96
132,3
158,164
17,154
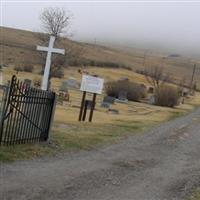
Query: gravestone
x,y
122,97
107,100
185,92
62,96
123,78
64,87
71,83
113,111
152,100
28,82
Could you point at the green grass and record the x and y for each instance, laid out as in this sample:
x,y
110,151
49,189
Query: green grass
x,y
75,136
195,195
84,136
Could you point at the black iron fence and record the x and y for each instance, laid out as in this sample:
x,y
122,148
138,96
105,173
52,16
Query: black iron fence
x,y
26,115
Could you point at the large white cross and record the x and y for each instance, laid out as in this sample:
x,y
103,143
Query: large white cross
x,y
49,50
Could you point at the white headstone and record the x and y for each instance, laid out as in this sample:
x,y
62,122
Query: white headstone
x,y
49,51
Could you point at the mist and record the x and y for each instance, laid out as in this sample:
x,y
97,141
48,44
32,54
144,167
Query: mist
x,y
171,27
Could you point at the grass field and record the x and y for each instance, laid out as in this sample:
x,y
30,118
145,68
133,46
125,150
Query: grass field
x,y
69,134
195,195
18,47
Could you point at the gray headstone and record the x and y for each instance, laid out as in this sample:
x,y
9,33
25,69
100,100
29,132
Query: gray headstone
x,y
71,83
64,86
113,111
28,82
152,100
122,95
109,99
123,78
105,105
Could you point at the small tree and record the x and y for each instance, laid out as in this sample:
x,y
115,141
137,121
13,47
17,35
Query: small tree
x,y
167,96
55,21
156,76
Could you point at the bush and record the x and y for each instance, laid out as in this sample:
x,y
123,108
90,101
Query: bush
x,y
27,68
134,91
57,72
167,96
19,68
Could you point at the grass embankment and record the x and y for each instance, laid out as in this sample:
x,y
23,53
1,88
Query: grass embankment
x,y
195,195
107,128
68,134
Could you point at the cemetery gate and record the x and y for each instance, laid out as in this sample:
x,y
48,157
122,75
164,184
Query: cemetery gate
x,y
26,115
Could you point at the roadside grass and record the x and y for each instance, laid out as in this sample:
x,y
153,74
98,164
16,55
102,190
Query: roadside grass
x,y
195,195
80,136
72,135
68,134
69,137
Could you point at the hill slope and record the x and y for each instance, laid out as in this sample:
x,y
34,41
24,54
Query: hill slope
x,y
19,47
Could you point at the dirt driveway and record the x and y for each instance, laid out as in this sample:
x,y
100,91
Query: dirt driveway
x,y
161,164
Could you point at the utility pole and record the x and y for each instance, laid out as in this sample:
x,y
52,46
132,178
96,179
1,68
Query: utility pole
x,y
145,57
192,79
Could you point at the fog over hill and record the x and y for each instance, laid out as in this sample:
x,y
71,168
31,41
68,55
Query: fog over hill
x,y
170,27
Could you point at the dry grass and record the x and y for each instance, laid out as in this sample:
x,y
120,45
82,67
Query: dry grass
x,y
19,46
195,195
67,133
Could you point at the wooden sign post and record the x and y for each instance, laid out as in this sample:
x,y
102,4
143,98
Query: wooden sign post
x,y
92,85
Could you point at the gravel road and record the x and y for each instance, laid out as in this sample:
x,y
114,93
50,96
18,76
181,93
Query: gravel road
x,y
161,164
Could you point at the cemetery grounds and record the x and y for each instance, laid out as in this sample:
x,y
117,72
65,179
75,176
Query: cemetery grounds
x,y
68,134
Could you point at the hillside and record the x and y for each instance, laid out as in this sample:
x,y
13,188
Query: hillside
x,y
18,47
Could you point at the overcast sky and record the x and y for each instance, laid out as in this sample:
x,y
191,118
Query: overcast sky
x,y
172,26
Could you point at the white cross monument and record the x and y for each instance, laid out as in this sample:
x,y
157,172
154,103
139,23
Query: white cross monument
x,y
49,50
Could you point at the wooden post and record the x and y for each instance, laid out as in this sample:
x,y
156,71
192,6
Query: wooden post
x,y
92,108
192,79
82,106
85,110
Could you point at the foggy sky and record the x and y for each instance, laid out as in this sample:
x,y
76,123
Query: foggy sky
x,y
169,26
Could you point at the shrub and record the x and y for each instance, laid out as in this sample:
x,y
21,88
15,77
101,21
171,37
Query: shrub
x,y
134,91
26,68
19,68
57,72
167,96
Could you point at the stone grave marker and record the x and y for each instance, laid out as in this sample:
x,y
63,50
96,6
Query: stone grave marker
x,y
113,111
107,100
152,100
63,86
28,82
124,78
71,83
122,97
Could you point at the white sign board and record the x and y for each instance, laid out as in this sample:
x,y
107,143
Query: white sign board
x,y
92,84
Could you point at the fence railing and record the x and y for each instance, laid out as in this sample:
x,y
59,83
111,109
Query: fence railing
x,y
27,114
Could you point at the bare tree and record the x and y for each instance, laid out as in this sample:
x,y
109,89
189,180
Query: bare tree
x,y
55,21
156,76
